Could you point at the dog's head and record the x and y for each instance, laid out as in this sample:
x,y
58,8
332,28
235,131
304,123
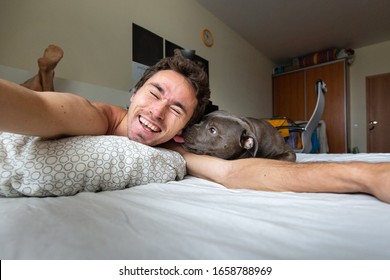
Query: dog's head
x,y
222,135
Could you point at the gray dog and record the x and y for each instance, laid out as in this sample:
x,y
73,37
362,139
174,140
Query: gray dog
x,y
226,136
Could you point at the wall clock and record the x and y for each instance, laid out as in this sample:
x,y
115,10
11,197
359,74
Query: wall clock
x,y
207,38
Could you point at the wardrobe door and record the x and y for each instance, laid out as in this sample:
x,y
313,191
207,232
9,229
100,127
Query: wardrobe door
x,y
335,113
289,96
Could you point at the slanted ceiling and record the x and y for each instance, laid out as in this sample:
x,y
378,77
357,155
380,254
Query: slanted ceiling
x,y
283,29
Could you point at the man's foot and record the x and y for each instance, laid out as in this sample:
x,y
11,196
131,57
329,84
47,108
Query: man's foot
x,y
50,58
52,55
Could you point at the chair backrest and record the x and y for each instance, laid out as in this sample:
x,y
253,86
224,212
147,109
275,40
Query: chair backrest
x,y
314,119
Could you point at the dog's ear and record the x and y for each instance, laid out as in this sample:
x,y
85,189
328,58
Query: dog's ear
x,y
249,142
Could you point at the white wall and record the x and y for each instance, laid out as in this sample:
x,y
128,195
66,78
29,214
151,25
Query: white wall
x,y
371,60
96,36
89,91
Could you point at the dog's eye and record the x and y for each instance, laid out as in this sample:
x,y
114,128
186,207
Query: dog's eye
x,y
212,130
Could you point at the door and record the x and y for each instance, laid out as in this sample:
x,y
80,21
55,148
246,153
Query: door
x,y
378,113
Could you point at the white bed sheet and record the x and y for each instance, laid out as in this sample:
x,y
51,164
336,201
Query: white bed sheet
x,y
198,219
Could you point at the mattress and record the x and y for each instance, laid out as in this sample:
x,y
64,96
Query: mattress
x,y
198,219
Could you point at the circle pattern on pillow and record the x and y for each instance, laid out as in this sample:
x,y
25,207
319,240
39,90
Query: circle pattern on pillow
x,y
31,166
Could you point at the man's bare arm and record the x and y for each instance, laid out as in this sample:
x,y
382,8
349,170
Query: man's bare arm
x,y
48,114
276,175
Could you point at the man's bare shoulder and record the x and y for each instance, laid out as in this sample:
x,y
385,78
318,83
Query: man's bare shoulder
x,y
116,117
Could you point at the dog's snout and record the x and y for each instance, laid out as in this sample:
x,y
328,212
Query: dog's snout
x,y
188,135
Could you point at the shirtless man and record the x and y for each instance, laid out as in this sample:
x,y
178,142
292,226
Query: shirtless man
x,y
171,95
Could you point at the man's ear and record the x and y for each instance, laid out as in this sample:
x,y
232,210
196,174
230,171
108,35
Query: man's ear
x,y
249,142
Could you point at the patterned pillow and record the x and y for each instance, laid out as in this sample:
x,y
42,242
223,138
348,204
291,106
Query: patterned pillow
x,y
30,166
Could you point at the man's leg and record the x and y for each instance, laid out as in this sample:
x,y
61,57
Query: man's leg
x,y
43,81
33,83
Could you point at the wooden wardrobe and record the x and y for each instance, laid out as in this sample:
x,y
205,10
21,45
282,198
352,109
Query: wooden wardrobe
x,y
294,96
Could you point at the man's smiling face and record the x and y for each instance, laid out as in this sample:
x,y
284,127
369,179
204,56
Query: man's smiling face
x,y
161,108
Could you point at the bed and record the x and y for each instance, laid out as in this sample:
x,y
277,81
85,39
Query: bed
x,y
162,213
110,198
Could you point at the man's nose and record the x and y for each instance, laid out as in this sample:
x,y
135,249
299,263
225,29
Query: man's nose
x,y
158,109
